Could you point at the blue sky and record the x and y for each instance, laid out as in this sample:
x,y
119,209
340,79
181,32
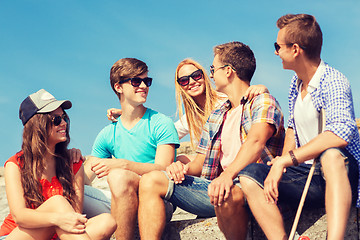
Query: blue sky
x,y
68,47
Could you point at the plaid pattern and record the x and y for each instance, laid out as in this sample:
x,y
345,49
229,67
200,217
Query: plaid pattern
x,y
335,97
261,109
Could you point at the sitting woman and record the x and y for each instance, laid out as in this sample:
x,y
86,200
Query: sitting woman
x,y
44,187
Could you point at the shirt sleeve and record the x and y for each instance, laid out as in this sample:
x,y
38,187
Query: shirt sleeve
x,y
182,127
204,139
166,132
101,146
265,109
339,111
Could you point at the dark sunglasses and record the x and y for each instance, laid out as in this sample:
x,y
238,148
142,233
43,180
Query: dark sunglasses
x,y
185,80
136,81
57,119
277,46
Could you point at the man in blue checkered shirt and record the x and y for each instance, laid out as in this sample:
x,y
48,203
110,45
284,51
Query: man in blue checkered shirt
x,y
315,86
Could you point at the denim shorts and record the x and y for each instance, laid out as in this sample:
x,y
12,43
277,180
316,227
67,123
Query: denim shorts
x,y
293,181
191,195
96,201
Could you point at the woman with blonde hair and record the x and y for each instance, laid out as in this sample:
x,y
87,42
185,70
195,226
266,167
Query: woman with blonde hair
x,y
44,187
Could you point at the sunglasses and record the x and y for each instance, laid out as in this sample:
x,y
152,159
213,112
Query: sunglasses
x,y
185,80
57,119
277,46
213,69
136,81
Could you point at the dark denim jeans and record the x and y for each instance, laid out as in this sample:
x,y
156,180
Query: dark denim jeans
x,y
293,181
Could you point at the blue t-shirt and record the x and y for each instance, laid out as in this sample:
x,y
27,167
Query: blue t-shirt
x,y
138,144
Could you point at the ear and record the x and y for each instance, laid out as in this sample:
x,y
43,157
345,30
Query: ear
x,y
118,88
229,71
296,49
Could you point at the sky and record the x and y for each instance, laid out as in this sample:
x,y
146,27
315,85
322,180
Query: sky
x,y
68,47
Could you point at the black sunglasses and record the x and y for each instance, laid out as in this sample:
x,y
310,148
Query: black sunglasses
x,y
277,46
57,119
185,80
136,81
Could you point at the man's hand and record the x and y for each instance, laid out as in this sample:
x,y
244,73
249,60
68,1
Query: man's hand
x,y
75,155
177,171
271,182
102,167
219,189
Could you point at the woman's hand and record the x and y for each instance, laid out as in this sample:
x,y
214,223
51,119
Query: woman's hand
x,y
72,222
113,114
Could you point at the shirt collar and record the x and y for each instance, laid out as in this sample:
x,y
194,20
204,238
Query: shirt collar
x,y
315,80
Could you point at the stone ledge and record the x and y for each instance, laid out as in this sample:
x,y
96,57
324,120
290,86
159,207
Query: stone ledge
x,y
312,224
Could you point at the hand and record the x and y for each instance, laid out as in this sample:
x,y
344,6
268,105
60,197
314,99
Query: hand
x,y
113,114
72,222
219,189
75,155
177,171
102,167
255,90
271,182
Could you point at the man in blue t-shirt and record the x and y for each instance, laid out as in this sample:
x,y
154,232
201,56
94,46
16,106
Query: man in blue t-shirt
x,y
142,140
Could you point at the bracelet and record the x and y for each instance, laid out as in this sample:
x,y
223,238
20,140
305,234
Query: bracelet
x,y
293,158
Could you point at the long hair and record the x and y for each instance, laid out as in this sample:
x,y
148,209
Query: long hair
x,y
196,116
35,147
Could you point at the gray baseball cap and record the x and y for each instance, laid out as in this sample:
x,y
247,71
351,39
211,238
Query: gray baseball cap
x,y
40,102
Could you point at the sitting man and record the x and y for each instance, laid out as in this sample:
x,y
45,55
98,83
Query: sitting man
x,y
141,141
315,86
240,132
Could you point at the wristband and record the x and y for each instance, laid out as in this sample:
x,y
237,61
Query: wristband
x,y
293,158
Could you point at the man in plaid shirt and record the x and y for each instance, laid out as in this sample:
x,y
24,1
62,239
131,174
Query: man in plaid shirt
x,y
315,86
240,132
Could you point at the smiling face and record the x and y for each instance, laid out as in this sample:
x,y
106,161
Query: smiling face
x,y
194,88
133,95
57,134
285,52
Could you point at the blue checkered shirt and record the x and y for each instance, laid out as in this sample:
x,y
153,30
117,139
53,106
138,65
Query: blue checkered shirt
x,y
335,97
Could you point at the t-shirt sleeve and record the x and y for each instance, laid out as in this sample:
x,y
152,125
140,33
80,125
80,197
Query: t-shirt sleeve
x,y
101,146
165,132
265,109
182,127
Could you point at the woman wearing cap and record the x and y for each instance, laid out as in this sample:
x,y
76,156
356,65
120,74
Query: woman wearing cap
x,y
44,188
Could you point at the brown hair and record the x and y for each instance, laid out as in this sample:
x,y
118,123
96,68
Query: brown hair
x,y
126,68
35,147
239,56
196,116
304,30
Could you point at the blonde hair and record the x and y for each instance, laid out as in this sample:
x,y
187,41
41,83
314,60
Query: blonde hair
x,y
196,116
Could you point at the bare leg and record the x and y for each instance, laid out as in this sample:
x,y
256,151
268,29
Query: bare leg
x,y
152,218
101,227
337,193
267,214
124,203
232,216
54,204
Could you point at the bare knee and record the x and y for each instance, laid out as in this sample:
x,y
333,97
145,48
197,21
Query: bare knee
x,y
58,203
107,223
154,182
123,182
333,163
